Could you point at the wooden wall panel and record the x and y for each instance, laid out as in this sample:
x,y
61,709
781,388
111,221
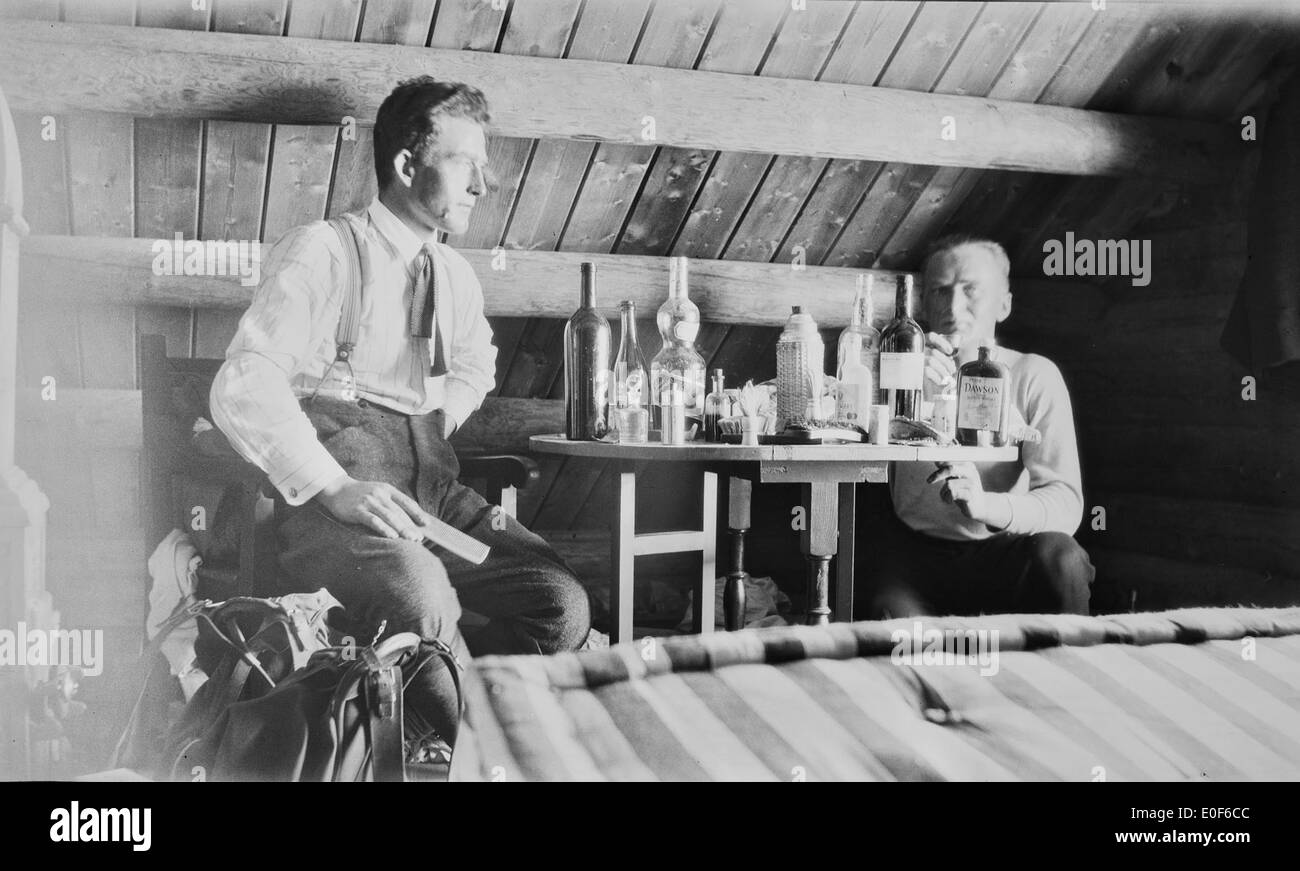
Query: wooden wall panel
x,y
47,331
677,193
542,29
100,176
606,31
1054,34
236,166
168,180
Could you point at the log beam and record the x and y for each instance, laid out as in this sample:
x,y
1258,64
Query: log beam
x,y
52,68
541,284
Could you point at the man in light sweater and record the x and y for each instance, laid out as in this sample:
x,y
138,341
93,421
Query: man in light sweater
x,y
971,538
356,443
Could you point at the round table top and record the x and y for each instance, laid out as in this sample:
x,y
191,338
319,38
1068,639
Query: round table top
x,y
701,451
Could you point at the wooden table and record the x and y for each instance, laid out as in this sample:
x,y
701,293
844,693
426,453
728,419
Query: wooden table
x,y
828,475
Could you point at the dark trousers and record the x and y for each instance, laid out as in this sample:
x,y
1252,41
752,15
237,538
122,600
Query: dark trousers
x,y
907,574
522,599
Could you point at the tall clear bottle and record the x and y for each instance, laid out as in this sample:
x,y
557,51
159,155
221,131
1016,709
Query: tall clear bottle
x,y
902,355
586,366
860,337
677,364
631,382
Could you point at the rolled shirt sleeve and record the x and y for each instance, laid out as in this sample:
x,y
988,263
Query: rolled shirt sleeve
x,y
251,399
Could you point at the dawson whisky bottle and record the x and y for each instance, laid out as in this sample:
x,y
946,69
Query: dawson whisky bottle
x,y
983,401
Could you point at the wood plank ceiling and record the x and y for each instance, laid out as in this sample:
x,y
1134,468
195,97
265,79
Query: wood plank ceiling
x,y
110,175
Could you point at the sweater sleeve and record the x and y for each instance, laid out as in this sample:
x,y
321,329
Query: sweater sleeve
x,y
1054,501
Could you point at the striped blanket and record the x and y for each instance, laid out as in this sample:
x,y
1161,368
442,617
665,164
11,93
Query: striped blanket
x,y
1200,694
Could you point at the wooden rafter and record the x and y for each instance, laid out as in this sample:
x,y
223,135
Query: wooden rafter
x,y
526,284
53,68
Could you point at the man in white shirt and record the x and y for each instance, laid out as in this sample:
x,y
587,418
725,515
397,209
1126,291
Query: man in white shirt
x,y
356,443
970,538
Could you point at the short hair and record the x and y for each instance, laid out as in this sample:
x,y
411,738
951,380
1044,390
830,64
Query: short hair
x,y
408,118
959,240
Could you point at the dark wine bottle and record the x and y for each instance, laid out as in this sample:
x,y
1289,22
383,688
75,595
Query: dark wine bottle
x,y
586,367
713,408
902,355
983,401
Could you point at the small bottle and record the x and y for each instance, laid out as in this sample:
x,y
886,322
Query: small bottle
x,y
861,335
714,405
902,355
586,366
945,411
983,401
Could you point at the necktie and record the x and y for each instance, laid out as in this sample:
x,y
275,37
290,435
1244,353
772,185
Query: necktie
x,y
424,309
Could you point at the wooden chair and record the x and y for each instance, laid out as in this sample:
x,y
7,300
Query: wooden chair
x,y
175,466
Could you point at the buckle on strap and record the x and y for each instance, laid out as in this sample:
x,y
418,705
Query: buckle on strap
x,y
387,690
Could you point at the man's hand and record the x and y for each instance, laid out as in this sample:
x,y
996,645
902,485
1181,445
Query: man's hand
x,y
375,505
940,361
962,487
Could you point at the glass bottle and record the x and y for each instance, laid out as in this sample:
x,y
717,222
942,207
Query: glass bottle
x,y
677,364
902,355
631,383
800,357
586,366
983,401
862,336
714,408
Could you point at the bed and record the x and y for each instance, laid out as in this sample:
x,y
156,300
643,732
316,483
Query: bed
x,y
1196,694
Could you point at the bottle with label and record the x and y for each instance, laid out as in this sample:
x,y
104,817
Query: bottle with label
x,y
631,399
678,364
716,408
902,355
983,401
800,353
586,366
862,336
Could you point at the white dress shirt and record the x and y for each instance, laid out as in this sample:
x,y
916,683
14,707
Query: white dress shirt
x,y
285,345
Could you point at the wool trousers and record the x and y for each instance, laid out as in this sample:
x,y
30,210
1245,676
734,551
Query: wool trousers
x,y
522,599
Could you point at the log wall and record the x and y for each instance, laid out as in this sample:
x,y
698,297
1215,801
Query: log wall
x,y
1200,486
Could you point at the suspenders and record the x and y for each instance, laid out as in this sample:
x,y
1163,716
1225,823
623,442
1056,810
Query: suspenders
x,y
345,337
349,327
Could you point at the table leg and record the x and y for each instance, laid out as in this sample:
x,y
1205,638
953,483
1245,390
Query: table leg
x,y
845,567
622,556
703,615
739,500
821,506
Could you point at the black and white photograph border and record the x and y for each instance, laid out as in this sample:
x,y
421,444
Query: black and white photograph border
x,y
649,390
